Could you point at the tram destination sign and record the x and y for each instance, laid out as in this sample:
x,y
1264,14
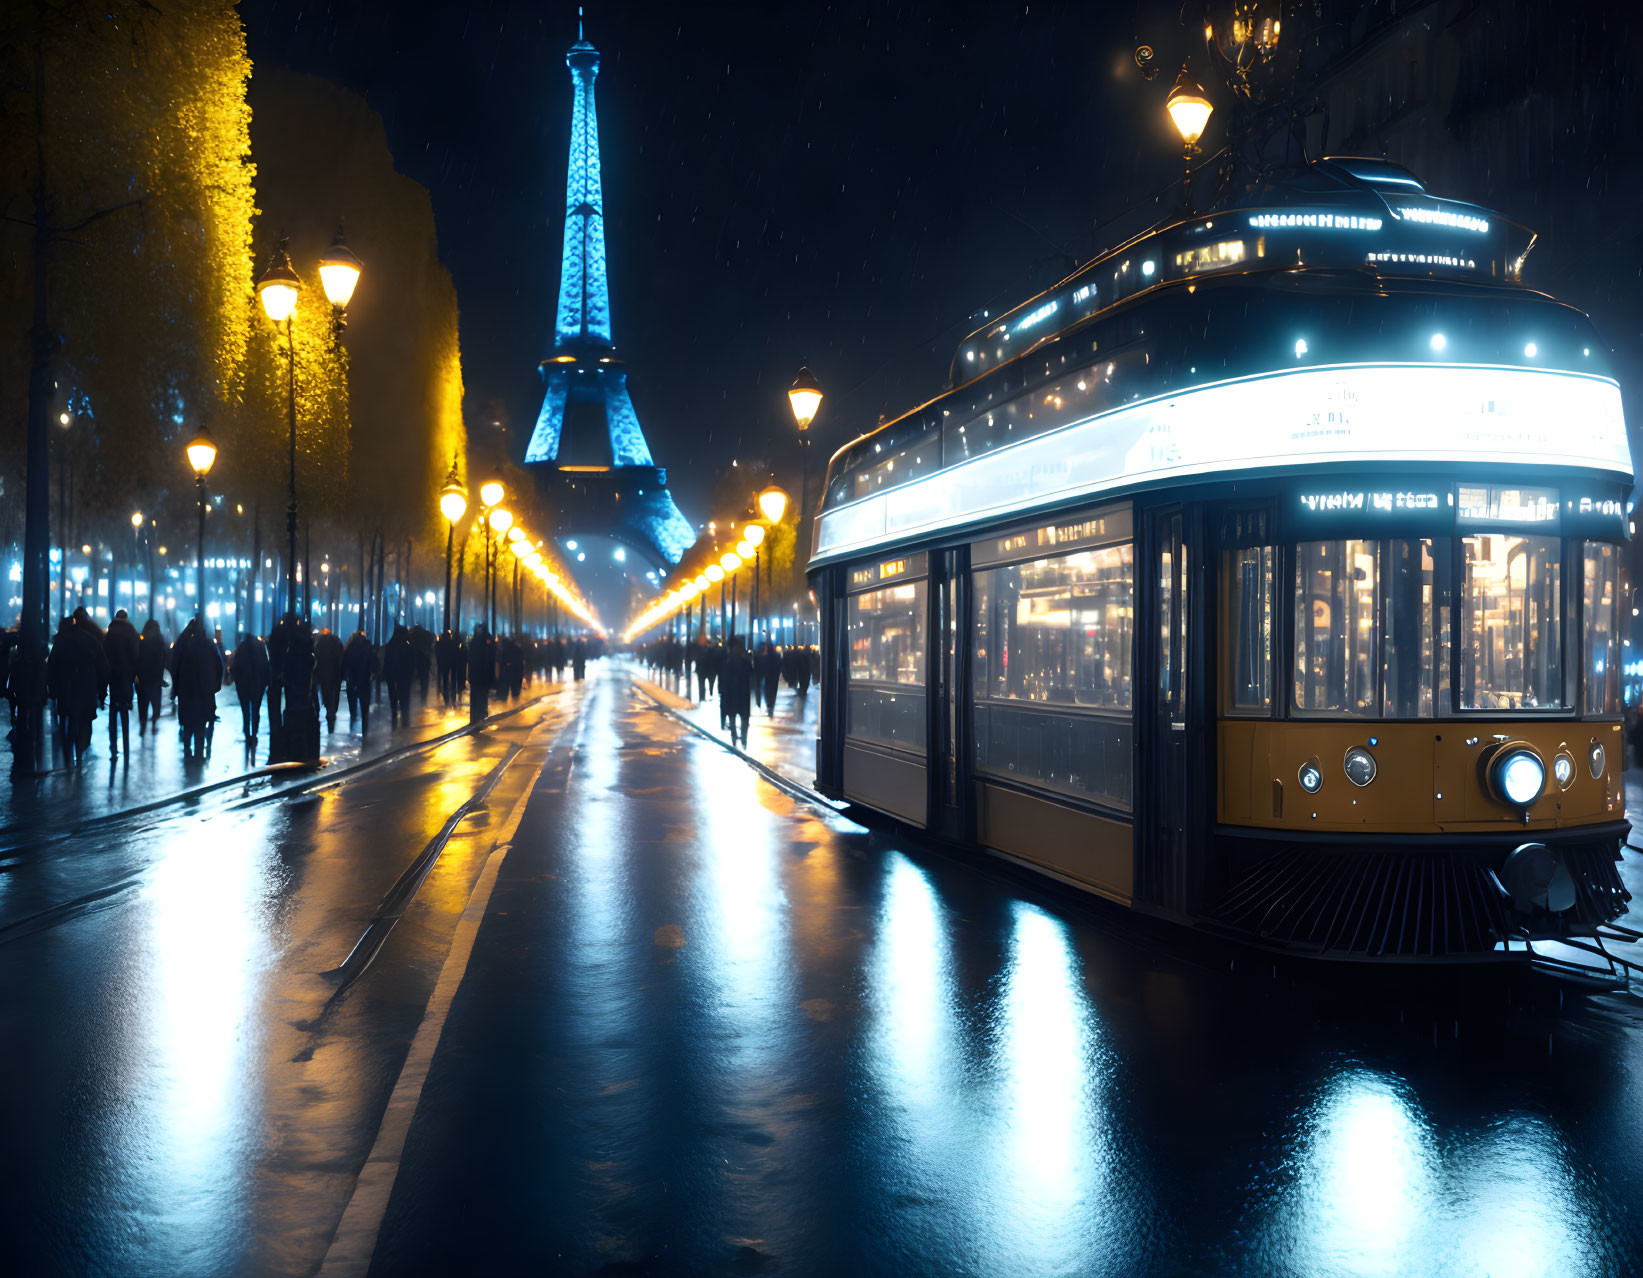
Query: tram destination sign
x,y
1382,416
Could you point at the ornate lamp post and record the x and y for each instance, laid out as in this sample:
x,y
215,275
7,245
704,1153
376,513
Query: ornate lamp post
x,y
136,554
202,453
453,504
729,562
295,734
1189,108
804,397
753,538
498,521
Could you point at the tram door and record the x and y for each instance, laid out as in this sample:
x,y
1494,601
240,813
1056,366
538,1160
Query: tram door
x,y
949,701
1161,821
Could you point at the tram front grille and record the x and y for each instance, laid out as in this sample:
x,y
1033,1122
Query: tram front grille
x,y
1372,903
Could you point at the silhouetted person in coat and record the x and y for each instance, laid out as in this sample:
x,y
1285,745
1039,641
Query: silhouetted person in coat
x,y
422,645
328,673
510,666
736,689
251,675
481,674
151,653
77,676
358,665
447,652
579,660
196,675
120,647
769,671
398,670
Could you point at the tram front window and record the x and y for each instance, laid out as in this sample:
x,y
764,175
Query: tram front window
x,y
887,665
1512,623
1371,632
1602,587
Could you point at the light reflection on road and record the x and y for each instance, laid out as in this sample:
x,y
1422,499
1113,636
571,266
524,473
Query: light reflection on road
x,y
208,950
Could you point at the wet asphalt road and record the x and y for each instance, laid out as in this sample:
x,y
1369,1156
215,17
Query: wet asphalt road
x,y
707,1028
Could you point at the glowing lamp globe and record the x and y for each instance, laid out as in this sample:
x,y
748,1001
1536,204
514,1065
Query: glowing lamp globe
x,y
745,550
755,535
277,287
688,591
201,453
339,269
773,504
715,574
136,519
453,502
805,397
730,561
702,582
491,492
516,533
1189,107
501,519
520,548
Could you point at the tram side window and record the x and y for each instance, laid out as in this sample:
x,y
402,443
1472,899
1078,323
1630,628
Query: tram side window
x,y
1511,623
1250,578
1053,672
886,701
1602,608
1371,634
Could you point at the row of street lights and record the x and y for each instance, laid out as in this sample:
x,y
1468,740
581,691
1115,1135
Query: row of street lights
x,y
772,506
498,521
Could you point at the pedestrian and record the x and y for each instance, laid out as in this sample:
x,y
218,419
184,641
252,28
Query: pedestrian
x,y
77,678
422,644
579,660
445,656
398,671
328,673
251,672
151,654
196,673
358,665
481,674
120,644
510,666
736,689
769,671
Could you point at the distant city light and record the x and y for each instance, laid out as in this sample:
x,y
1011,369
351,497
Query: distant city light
x,y
1439,341
1530,350
620,555
570,545
1300,347
581,555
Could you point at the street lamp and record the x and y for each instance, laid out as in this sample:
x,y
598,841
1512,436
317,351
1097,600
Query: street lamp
x,y
297,736
1189,108
136,554
453,504
491,492
497,521
339,271
202,453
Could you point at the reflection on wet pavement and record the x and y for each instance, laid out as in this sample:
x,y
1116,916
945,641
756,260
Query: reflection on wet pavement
x,y
707,1028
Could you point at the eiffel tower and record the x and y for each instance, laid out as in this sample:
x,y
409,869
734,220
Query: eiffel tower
x,y
588,446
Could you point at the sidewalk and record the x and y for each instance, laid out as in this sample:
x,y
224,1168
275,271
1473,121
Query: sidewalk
x,y
784,742
155,771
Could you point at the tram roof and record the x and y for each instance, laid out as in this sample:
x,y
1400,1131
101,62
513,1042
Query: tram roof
x,y
1351,253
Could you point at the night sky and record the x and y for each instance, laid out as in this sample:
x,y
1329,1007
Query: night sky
x,y
844,186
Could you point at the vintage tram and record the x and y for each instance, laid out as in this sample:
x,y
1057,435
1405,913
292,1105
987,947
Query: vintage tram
x,y
1264,575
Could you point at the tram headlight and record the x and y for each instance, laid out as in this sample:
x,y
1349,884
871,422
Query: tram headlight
x,y
1597,759
1311,776
1563,770
1516,774
1359,766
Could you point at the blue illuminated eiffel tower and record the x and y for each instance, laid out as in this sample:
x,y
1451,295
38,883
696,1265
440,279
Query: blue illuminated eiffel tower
x,y
588,442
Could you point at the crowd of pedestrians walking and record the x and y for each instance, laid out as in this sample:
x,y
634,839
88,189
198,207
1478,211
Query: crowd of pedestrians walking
x,y
91,670
740,679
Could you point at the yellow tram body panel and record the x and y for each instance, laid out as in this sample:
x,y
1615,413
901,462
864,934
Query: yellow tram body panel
x,y
1428,778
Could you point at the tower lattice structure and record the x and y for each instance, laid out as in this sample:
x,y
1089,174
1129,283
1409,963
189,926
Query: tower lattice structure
x,y
630,492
